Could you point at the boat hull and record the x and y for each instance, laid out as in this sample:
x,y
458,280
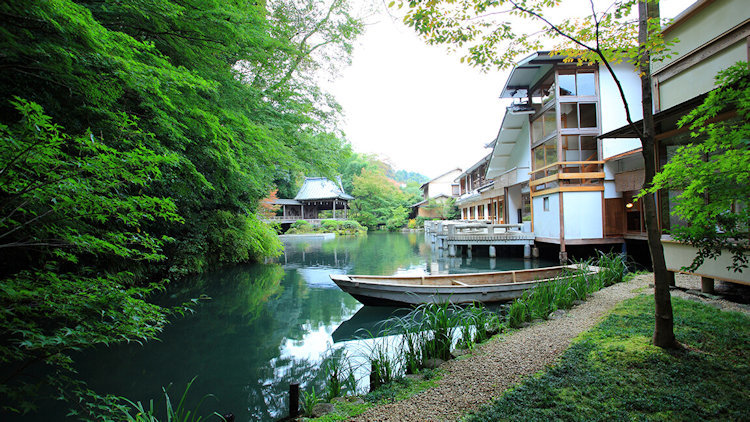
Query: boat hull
x,y
385,291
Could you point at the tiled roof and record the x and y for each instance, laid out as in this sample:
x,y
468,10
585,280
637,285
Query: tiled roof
x,y
321,188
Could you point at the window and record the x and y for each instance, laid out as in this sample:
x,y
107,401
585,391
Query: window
x,y
588,114
544,125
545,203
581,83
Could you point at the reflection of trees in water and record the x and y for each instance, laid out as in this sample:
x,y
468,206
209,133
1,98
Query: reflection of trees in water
x,y
228,342
376,253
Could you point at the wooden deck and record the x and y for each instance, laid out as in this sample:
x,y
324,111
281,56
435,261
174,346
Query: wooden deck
x,y
452,235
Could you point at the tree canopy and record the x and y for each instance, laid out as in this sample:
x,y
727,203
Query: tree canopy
x,y
138,139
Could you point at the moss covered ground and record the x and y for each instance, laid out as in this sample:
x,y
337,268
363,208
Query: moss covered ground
x,y
614,373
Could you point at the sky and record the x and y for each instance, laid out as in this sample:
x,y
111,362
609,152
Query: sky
x,y
416,106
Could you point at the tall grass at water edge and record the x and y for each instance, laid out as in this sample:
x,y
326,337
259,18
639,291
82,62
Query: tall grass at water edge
x,y
544,299
432,330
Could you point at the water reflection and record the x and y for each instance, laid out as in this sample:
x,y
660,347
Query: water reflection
x,y
266,325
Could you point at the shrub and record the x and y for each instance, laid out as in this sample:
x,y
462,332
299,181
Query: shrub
x,y
302,226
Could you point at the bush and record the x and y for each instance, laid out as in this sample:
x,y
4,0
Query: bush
x,y
302,226
412,224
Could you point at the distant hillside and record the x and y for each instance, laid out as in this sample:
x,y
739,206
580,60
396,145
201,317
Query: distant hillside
x,y
404,176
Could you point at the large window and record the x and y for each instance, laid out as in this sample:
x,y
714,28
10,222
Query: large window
x,y
544,126
578,115
565,128
577,84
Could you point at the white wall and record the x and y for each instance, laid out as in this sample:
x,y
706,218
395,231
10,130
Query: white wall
x,y
442,184
547,223
514,203
613,111
582,215
614,146
704,26
521,154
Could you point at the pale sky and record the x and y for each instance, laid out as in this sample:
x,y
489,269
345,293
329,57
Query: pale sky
x,y
416,105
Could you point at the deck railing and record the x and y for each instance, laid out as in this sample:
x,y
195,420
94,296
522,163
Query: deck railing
x,y
562,175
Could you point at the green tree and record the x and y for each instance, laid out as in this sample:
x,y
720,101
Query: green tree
x,y
495,33
376,199
71,207
712,175
222,85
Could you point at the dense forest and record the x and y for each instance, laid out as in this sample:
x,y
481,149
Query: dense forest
x,y
137,140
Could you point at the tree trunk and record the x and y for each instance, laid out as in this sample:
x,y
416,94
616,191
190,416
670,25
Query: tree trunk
x,y
664,325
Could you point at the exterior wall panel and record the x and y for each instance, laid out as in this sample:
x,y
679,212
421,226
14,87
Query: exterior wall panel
x,y
582,215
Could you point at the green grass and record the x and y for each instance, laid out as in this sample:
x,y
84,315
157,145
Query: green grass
x,y
614,373
399,389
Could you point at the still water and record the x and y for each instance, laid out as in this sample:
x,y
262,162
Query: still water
x,y
267,325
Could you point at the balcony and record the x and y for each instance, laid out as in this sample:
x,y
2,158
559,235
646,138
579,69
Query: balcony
x,y
567,176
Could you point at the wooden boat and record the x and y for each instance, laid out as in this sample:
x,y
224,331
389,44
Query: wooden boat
x,y
454,288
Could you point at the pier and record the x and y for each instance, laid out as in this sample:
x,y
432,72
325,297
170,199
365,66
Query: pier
x,y
454,235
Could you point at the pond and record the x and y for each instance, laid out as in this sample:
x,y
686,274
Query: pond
x,y
267,325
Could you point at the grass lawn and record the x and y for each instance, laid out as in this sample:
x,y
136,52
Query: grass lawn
x,y
613,373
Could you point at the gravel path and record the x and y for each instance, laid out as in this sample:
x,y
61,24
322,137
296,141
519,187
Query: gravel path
x,y
498,364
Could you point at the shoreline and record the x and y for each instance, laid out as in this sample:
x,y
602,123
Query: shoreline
x,y
505,360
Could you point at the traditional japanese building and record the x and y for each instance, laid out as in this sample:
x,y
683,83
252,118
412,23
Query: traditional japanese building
x,y
316,194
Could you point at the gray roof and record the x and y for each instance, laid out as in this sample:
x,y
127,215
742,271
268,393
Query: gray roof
x,y
286,202
321,188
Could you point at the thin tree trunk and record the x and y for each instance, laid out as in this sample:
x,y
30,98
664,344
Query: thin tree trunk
x,y
664,325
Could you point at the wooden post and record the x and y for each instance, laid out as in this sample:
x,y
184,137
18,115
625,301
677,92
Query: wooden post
x,y
293,400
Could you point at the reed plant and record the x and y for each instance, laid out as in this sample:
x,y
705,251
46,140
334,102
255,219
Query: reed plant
x,y
309,400
613,268
339,375
383,365
577,284
439,322
179,413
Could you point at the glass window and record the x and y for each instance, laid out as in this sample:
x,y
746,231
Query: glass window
x,y
536,130
588,143
550,124
571,148
588,148
539,157
567,84
548,94
550,151
586,84
569,115
588,115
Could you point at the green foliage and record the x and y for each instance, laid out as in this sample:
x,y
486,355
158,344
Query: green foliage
x,y
489,39
712,175
227,107
613,372
378,201
173,414
399,218
309,400
341,227
70,204
443,208
542,300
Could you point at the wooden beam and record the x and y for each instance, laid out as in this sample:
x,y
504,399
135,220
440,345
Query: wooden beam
x,y
568,189
565,163
567,176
